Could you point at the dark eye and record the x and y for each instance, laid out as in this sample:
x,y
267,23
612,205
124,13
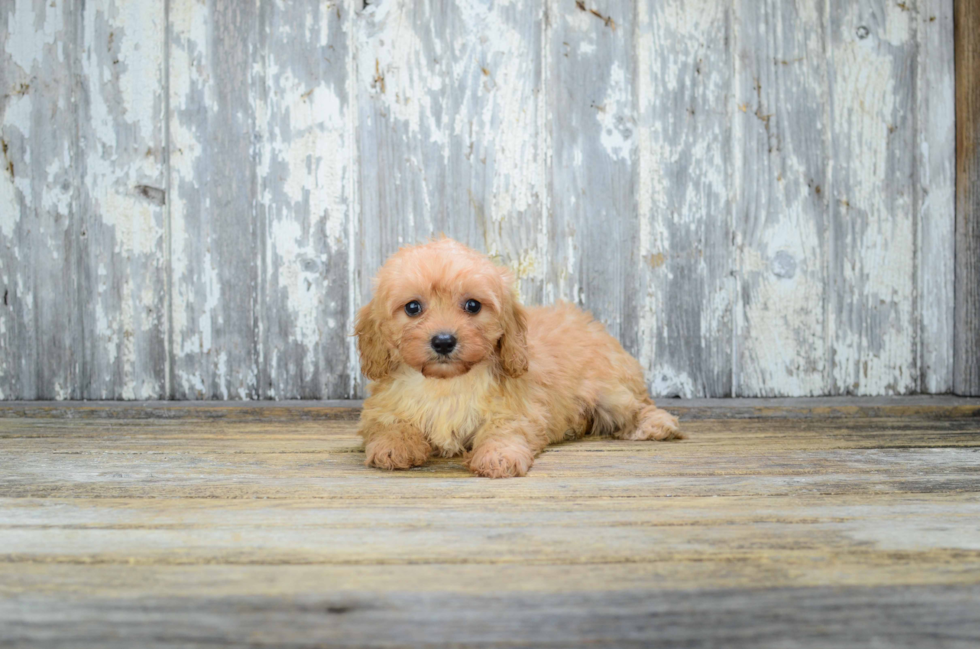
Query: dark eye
x,y
472,306
413,308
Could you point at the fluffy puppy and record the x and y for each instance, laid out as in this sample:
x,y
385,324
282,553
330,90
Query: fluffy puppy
x,y
459,367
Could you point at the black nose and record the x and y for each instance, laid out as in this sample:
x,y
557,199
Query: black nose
x,y
443,343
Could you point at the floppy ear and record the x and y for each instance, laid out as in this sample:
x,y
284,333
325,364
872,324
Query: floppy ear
x,y
375,357
512,346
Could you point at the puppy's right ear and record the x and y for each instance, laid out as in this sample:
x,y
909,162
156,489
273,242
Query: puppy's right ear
x,y
512,347
375,356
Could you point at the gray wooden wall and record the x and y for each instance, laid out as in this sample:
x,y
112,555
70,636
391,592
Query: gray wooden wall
x,y
756,196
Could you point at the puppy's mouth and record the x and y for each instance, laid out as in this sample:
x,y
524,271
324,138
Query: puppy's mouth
x,y
444,367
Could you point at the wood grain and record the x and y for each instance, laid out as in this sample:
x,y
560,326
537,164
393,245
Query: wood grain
x,y
967,345
267,529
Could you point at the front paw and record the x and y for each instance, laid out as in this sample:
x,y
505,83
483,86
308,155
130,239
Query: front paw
x,y
501,458
396,452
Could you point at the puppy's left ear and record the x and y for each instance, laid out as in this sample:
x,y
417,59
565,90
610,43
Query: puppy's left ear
x,y
512,346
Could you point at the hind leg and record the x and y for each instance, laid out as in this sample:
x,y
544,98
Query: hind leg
x,y
627,416
651,423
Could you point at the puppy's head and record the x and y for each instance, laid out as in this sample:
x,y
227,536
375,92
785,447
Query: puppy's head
x,y
441,308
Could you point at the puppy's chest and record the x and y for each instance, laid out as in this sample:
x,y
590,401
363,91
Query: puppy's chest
x,y
448,411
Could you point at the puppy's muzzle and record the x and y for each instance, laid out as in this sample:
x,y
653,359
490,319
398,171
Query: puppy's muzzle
x,y
443,344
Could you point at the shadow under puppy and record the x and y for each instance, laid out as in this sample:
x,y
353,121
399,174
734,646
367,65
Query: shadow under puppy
x,y
459,367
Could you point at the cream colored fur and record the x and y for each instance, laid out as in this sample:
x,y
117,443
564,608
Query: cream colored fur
x,y
448,412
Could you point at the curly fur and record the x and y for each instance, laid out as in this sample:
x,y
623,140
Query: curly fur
x,y
518,380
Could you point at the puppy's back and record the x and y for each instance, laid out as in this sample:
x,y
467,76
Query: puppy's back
x,y
572,353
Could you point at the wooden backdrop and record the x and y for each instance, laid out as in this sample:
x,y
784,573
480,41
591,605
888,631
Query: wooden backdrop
x,y
756,196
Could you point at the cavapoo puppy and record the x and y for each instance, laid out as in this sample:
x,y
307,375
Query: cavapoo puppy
x,y
459,367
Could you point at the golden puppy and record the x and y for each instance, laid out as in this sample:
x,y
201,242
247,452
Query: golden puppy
x,y
460,367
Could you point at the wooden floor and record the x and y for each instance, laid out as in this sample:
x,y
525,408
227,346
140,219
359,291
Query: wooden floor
x,y
200,526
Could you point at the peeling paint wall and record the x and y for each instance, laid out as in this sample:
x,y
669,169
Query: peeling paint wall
x,y
755,196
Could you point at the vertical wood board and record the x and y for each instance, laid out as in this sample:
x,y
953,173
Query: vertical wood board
x,y
685,265
121,112
967,332
215,249
592,140
305,153
935,161
783,130
40,319
872,330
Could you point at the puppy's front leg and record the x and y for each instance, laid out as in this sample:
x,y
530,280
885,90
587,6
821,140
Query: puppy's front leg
x,y
502,450
394,446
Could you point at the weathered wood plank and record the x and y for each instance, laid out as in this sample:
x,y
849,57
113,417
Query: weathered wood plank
x,y
40,327
783,151
304,198
227,579
122,184
17,371
855,518
404,62
684,269
966,378
215,249
182,409
935,167
336,437
267,482
933,407
872,325
591,124
941,616
452,532
292,459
